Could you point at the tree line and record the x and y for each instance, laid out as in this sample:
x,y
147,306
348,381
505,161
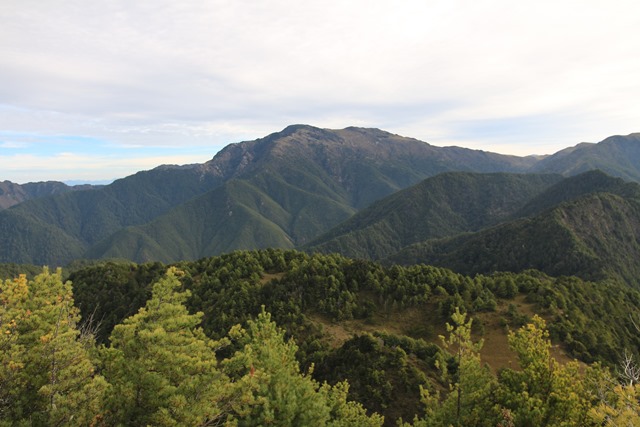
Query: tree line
x,y
212,319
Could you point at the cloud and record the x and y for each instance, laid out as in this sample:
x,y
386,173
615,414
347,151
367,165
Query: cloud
x,y
204,74
84,168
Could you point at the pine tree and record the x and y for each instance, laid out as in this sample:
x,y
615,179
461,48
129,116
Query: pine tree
x,y
161,366
543,392
271,390
469,402
47,366
13,295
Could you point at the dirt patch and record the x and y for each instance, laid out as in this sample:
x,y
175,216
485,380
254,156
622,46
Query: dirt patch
x,y
267,277
424,322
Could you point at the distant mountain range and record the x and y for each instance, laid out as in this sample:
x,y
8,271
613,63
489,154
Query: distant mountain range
x,y
12,194
363,192
586,225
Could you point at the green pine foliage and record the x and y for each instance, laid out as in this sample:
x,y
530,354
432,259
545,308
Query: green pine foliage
x,y
47,365
266,373
161,368
593,321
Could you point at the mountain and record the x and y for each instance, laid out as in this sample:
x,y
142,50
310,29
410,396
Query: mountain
x,y
12,194
594,235
284,189
617,156
444,205
55,230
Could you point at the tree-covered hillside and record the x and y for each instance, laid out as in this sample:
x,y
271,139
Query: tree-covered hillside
x,y
350,317
173,355
586,225
617,156
441,206
594,237
283,190
278,185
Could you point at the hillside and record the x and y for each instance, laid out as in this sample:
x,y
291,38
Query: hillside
x,y
296,173
12,194
441,206
617,156
479,223
285,190
595,236
375,326
58,229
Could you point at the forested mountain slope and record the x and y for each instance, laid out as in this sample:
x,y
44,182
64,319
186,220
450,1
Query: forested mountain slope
x,y
55,230
295,172
584,225
441,206
12,194
594,237
376,326
283,190
617,156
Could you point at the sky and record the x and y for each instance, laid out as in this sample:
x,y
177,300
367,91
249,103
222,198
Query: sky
x,y
91,91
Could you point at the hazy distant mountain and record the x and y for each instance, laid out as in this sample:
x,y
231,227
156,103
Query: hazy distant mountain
x,y
310,179
12,194
77,220
287,188
617,156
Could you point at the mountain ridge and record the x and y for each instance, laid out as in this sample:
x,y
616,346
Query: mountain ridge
x,y
295,168
290,187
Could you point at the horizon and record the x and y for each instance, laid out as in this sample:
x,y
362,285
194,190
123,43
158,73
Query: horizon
x,y
99,91
107,181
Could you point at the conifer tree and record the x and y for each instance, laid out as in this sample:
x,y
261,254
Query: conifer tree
x,y
13,294
469,401
543,392
47,373
161,366
271,390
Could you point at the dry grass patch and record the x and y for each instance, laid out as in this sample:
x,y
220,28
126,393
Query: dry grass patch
x,y
267,277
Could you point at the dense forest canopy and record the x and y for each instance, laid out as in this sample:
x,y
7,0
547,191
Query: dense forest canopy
x,y
196,343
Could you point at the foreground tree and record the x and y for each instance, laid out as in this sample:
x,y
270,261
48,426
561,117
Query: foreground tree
x,y
161,366
543,392
270,389
469,401
46,372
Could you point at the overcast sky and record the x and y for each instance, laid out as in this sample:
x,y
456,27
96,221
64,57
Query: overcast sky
x,y
97,90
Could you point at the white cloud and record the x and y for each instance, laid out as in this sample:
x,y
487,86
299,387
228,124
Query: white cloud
x,y
166,73
82,168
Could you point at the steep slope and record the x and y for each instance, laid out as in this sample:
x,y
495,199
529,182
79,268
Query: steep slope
x,y
29,240
617,156
444,205
355,165
287,188
12,194
313,179
574,187
80,219
233,216
593,237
